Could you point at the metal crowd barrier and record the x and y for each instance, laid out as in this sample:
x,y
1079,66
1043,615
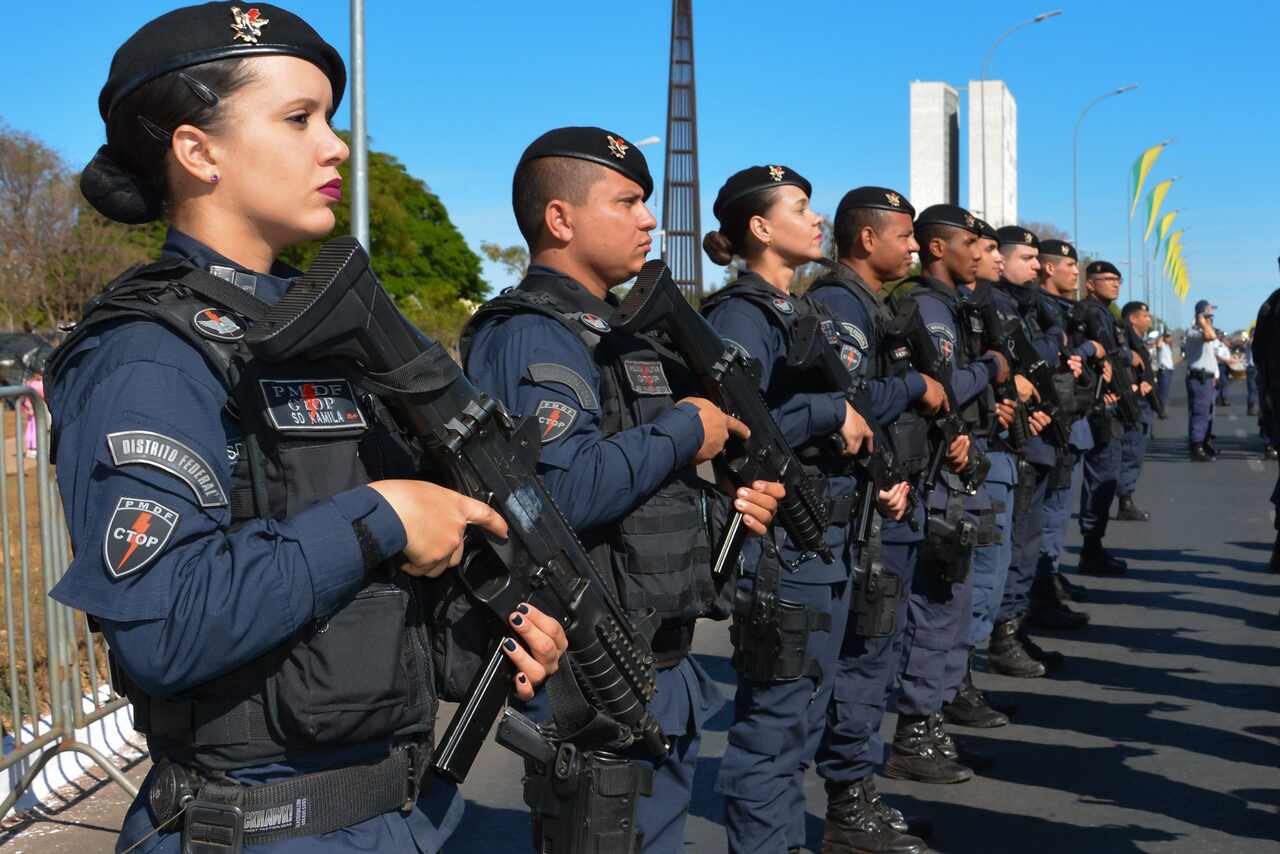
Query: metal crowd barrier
x,y
44,720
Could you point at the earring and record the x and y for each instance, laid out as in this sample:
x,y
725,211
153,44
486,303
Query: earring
x,y
214,179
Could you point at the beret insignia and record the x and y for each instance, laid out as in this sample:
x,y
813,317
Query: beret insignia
x,y
617,146
969,220
776,173
248,25
894,199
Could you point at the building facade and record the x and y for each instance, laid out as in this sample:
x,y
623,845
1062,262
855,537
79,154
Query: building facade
x,y
993,152
935,144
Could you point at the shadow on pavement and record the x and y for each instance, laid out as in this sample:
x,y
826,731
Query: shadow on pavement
x,y
1170,682
1175,601
1179,642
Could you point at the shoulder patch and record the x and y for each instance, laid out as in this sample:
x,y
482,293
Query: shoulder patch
x,y
217,324
942,330
595,323
851,356
946,340
783,305
555,419
307,406
143,447
735,345
859,337
136,534
550,372
829,330
647,377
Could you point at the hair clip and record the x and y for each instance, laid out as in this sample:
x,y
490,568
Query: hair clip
x,y
203,92
154,130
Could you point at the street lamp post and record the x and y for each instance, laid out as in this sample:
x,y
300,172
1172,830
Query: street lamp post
x,y
982,96
1075,161
359,132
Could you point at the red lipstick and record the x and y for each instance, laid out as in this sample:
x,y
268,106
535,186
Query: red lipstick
x,y
333,189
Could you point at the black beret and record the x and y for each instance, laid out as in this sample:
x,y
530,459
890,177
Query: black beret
x,y
754,179
1098,268
953,215
1132,307
986,232
879,198
1011,234
1061,248
194,35
595,144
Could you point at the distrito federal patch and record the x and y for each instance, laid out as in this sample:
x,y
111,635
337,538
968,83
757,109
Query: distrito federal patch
x,y
782,305
143,447
647,377
217,324
859,337
305,406
136,534
555,418
595,323
946,340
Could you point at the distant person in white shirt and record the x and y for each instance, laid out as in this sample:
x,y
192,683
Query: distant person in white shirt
x,y
1204,353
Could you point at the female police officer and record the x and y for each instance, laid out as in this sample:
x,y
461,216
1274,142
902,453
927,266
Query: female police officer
x,y
238,526
765,219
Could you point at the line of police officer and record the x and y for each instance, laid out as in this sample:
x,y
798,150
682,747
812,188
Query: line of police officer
x,y
271,575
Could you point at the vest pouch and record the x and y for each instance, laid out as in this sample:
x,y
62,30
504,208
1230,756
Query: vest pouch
x,y
314,472
356,675
661,545
909,435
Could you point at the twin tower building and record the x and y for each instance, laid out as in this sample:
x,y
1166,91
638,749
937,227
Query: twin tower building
x,y
993,149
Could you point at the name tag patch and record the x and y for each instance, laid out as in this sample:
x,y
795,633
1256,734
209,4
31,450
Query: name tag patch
x,y
555,418
647,377
312,405
143,447
829,330
136,534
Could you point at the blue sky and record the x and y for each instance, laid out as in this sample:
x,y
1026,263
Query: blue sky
x,y
456,91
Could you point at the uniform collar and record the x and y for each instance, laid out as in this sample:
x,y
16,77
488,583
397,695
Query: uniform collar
x,y
845,273
569,289
268,287
753,280
941,289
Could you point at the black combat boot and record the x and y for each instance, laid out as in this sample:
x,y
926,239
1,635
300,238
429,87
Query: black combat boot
x,y
1130,512
1199,454
854,825
914,756
951,749
1049,658
1210,448
922,828
970,707
1048,611
1006,655
1068,589
1095,560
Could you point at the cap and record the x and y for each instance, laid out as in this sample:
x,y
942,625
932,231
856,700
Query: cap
x,y
1016,234
1099,268
878,198
598,145
1204,307
194,35
753,179
953,215
1061,248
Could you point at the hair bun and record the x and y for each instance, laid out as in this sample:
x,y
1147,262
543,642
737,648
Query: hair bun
x,y
117,193
719,248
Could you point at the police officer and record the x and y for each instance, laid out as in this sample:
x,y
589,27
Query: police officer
x,y
1093,321
620,435
1204,352
246,535
1059,280
765,220
873,233
1136,319
959,518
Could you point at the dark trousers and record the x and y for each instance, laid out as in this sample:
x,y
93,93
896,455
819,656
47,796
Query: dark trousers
x,y
851,747
991,567
1251,386
1164,381
1199,408
1101,473
938,615
1028,534
1133,449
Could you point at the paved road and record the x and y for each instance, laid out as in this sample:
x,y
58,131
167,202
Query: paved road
x,y
1161,734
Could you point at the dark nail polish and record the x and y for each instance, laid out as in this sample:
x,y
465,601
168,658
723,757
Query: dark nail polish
x,y
517,620
509,644
523,679
523,609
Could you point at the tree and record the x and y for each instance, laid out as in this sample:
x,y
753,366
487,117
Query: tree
x,y
514,259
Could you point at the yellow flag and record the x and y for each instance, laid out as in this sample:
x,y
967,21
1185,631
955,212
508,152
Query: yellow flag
x,y
1165,222
1172,250
1158,192
1142,168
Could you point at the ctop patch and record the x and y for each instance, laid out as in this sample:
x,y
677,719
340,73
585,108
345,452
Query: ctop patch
x,y
136,534
595,323
851,356
782,305
304,406
647,377
946,340
555,419
217,324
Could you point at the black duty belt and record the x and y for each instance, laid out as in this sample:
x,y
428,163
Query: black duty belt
x,y
1203,376
226,814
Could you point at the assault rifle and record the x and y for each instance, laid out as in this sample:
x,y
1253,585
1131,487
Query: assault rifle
x,y
339,308
731,380
995,336
811,350
908,330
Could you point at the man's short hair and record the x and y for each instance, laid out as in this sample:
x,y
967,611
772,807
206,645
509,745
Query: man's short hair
x,y
933,231
540,181
850,223
1133,308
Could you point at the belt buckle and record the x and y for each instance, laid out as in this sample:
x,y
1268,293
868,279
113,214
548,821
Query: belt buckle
x,y
213,828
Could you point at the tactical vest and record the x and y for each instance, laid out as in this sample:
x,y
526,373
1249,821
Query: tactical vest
x,y
308,432
909,432
1091,320
978,413
660,553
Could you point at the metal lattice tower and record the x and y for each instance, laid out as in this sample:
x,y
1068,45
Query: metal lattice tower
x,y
681,217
